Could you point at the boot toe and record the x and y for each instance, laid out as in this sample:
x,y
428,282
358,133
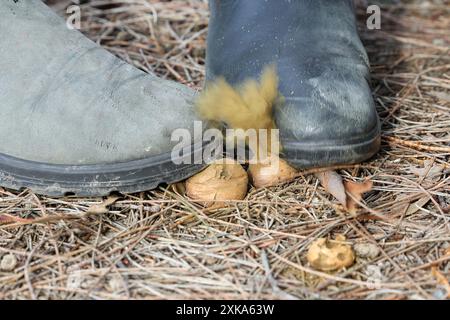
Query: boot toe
x,y
328,117
336,124
78,120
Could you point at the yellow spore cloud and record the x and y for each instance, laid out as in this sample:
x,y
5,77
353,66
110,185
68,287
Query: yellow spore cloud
x,y
248,106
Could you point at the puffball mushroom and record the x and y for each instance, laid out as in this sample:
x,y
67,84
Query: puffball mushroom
x,y
222,180
326,255
268,175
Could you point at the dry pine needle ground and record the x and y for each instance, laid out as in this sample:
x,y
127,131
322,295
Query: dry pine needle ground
x,y
158,245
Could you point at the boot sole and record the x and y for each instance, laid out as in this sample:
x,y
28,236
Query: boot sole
x,y
96,180
332,152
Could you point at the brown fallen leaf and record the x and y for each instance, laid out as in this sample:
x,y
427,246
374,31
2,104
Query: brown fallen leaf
x,y
356,191
327,255
430,168
416,206
223,180
103,207
332,182
348,193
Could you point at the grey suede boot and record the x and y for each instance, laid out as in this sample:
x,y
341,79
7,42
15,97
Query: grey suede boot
x,y
74,119
328,116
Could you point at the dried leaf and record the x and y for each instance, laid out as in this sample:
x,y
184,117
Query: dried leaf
x,y
416,206
430,169
103,207
356,191
326,255
333,184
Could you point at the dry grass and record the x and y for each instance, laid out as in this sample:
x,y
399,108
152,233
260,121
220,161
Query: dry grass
x,y
159,245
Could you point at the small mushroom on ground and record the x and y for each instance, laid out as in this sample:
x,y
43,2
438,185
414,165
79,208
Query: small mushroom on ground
x,y
221,181
327,255
269,175
367,250
8,262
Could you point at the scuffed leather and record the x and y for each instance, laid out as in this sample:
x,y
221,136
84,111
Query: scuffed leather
x,y
322,64
65,100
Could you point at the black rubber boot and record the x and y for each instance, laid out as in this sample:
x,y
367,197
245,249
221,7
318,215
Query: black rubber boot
x,y
75,119
328,116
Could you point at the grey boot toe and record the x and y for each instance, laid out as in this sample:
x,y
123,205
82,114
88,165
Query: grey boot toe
x,y
77,119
